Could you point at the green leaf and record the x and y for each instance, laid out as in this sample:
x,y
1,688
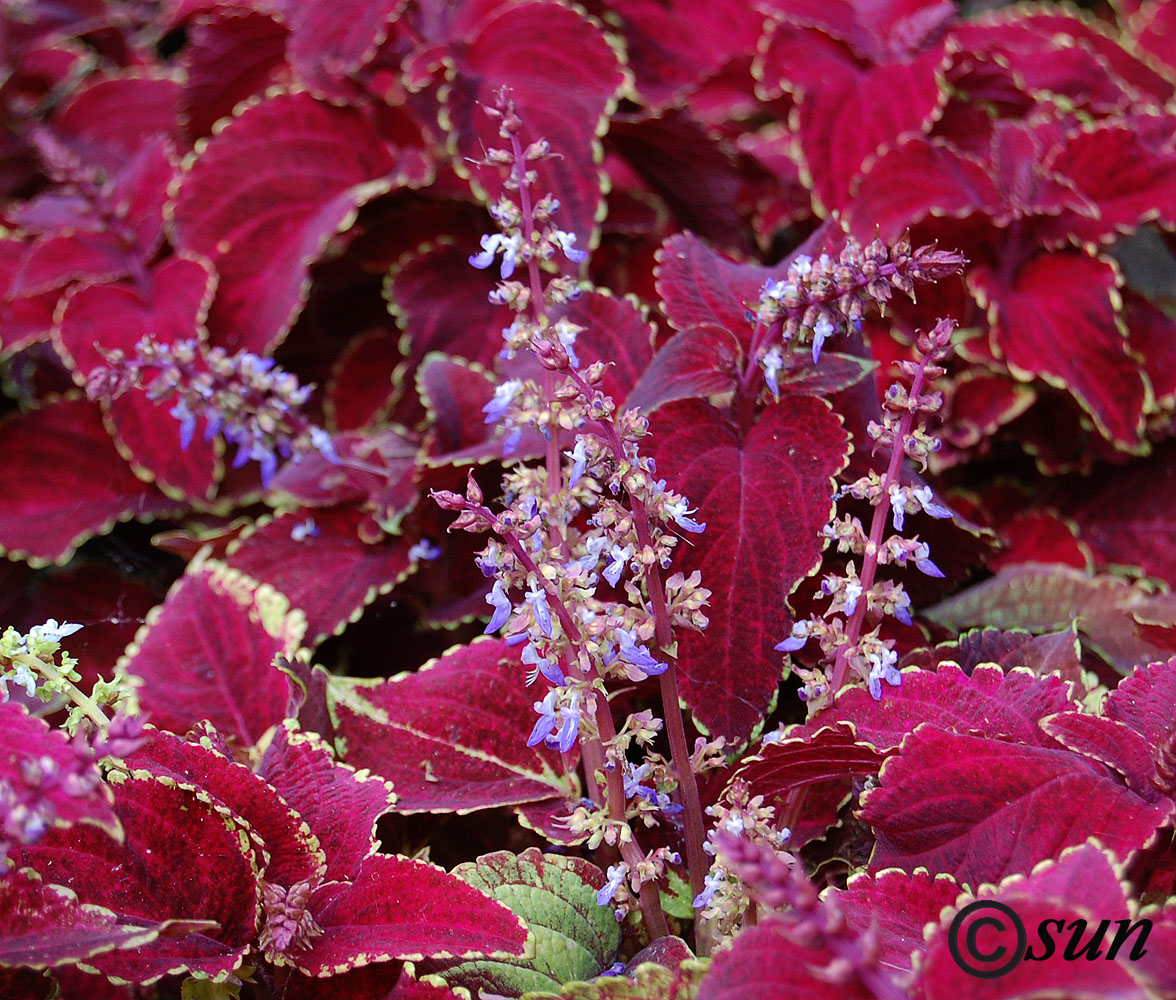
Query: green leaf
x,y
575,939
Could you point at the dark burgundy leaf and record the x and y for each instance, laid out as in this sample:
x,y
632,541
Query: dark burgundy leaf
x,y
764,496
397,908
233,53
67,483
698,362
318,560
263,198
207,653
338,803
168,825
563,76
982,809
442,751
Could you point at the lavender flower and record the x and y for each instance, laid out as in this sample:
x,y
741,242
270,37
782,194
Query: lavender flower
x,y
502,607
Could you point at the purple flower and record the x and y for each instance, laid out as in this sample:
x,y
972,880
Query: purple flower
x,y
821,331
424,550
795,641
187,421
772,362
322,443
567,243
569,724
504,396
928,567
616,875
638,655
852,592
617,557
681,516
537,599
502,607
579,457
541,665
712,882
492,244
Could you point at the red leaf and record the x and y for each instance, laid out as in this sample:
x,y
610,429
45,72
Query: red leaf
x,y
1056,320
1130,181
207,653
845,111
915,179
764,964
402,909
364,382
981,809
442,751
340,805
263,198
671,48
291,852
1082,886
330,41
698,362
167,827
55,782
989,703
67,482
896,906
698,287
1143,701
96,318
1045,598
826,753
1109,742
764,496
564,78
1054,652
232,54
112,118
377,470
45,925
617,332
331,574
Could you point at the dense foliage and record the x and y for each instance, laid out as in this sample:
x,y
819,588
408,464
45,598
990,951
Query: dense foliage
x,y
785,388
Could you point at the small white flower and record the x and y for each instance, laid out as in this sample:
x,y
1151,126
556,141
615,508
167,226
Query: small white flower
x,y
52,632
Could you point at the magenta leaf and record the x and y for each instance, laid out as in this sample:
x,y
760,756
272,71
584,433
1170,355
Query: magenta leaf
x,y
1072,340
290,851
318,560
989,702
698,362
261,201
1054,652
45,925
897,906
167,825
442,751
49,780
91,488
1085,885
698,287
846,110
982,809
827,753
528,47
397,908
764,497
330,42
1112,743
207,653
97,318
233,53
765,964
338,803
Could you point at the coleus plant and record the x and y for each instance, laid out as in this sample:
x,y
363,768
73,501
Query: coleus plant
x,y
836,620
